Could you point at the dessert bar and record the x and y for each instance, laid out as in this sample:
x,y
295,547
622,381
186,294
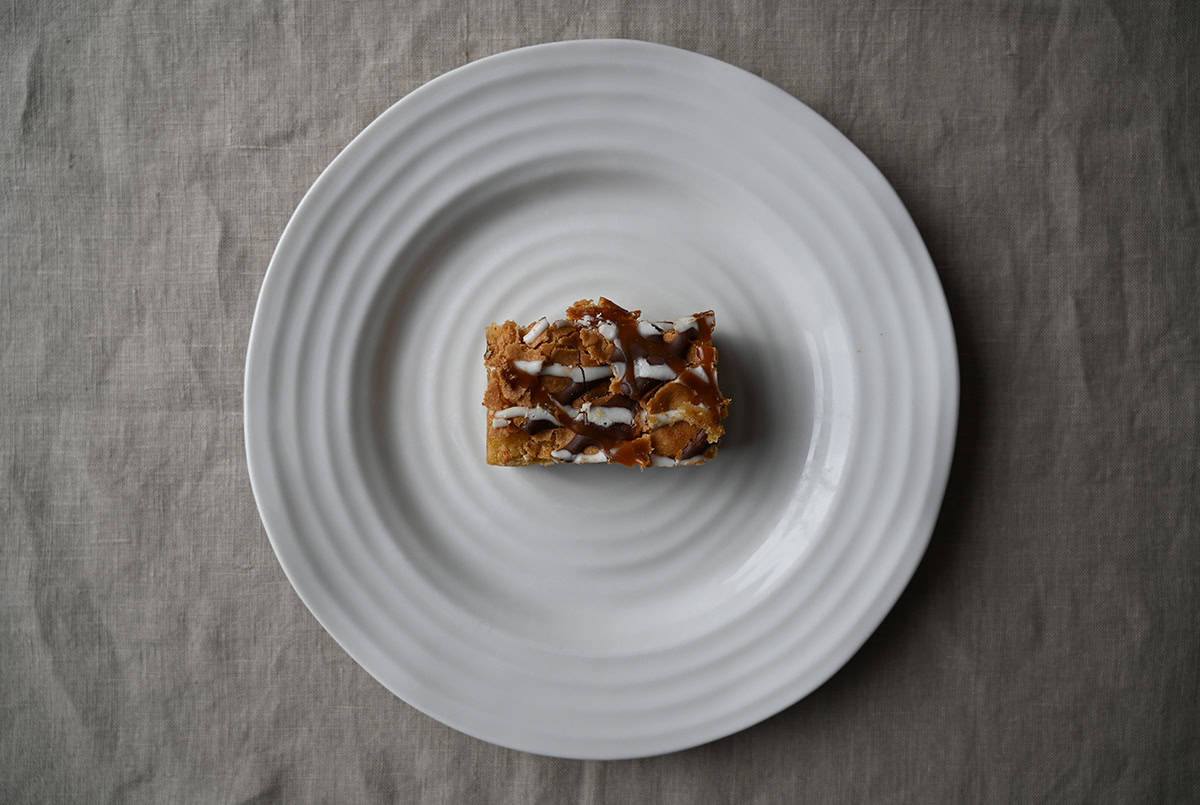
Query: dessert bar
x,y
603,385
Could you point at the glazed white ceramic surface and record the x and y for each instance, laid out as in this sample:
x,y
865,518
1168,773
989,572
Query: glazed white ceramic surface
x,y
597,611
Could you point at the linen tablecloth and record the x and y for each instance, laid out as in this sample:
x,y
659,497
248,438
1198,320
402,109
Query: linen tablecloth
x,y
151,649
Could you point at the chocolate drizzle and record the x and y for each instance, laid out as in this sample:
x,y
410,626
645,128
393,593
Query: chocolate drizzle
x,y
581,443
533,426
576,389
695,447
656,350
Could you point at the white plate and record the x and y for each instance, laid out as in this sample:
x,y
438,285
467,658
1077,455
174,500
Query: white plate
x,y
597,611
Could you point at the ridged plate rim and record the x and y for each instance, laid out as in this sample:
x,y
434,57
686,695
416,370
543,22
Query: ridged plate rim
x,y
268,459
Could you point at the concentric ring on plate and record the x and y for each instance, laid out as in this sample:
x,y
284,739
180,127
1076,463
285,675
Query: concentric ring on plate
x,y
595,611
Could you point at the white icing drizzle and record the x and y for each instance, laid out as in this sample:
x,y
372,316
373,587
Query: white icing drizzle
x,y
516,410
698,371
684,324
581,458
528,367
608,330
557,370
537,329
647,329
605,416
580,374
643,368
501,418
591,373
666,461
670,417
570,411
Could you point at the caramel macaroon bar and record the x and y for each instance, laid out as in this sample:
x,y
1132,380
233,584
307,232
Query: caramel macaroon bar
x,y
603,385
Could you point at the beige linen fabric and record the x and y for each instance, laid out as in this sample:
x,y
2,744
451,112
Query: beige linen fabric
x,y
151,649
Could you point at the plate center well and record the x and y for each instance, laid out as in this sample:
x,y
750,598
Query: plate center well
x,y
594,558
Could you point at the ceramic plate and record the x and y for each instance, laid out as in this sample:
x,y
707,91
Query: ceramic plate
x,y
596,611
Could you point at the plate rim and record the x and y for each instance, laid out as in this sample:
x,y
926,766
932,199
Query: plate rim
x,y
941,326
